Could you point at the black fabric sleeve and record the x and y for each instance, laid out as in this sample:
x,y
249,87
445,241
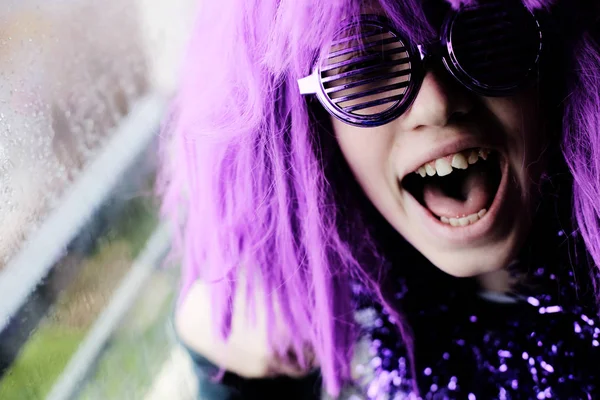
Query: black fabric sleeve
x,y
234,387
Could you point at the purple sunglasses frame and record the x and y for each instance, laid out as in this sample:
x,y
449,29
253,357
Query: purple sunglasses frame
x,y
418,56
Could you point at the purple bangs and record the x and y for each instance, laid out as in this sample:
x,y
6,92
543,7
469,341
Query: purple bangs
x,y
243,182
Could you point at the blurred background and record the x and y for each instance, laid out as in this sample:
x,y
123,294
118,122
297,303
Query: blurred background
x,y
85,297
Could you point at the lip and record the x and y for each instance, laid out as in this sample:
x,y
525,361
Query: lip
x,y
443,150
462,235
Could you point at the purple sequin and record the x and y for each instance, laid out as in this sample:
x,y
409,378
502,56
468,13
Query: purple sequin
x,y
536,355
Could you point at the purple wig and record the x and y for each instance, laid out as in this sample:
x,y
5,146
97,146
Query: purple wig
x,y
244,178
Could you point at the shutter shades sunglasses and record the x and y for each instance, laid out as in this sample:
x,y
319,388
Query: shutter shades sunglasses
x,y
372,73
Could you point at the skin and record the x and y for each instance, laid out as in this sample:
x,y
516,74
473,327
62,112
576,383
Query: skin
x,y
246,352
444,111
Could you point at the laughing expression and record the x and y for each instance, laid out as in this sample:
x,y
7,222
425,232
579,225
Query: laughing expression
x,y
454,174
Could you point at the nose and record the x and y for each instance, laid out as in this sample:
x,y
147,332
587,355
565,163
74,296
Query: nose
x,y
439,100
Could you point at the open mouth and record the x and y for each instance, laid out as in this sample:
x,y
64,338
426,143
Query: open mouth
x,y
459,188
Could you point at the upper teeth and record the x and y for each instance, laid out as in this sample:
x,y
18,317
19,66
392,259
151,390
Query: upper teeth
x,y
443,166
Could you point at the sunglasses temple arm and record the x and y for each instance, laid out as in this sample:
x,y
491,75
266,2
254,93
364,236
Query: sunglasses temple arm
x,y
309,84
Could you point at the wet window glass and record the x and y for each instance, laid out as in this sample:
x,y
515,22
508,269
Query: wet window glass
x,y
86,297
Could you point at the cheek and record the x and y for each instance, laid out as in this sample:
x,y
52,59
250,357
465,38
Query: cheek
x,y
519,115
369,153
520,118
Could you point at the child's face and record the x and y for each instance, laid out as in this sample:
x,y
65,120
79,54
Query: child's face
x,y
446,119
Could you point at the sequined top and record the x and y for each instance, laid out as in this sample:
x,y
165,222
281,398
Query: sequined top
x,y
539,342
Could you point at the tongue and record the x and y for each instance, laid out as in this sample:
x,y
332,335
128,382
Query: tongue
x,y
476,192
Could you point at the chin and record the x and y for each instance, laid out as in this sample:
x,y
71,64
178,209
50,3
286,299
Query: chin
x,y
480,260
465,267
491,240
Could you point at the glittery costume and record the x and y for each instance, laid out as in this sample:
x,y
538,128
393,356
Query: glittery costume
x,y
544,345
540,341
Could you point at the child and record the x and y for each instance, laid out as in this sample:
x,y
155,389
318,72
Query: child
x,y
400,196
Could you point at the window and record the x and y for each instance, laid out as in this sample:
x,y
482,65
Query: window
x,y
85,304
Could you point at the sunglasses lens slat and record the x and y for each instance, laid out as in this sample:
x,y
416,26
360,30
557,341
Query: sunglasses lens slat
x,y
372,74
371,92
363,35
505,50
397,74
358,71
373,58
374,103
368,46
485,30
367,72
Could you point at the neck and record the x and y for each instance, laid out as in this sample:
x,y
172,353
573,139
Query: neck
x,y
496,281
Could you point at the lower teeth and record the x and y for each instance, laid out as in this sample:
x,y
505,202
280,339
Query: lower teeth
x,y
464,221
